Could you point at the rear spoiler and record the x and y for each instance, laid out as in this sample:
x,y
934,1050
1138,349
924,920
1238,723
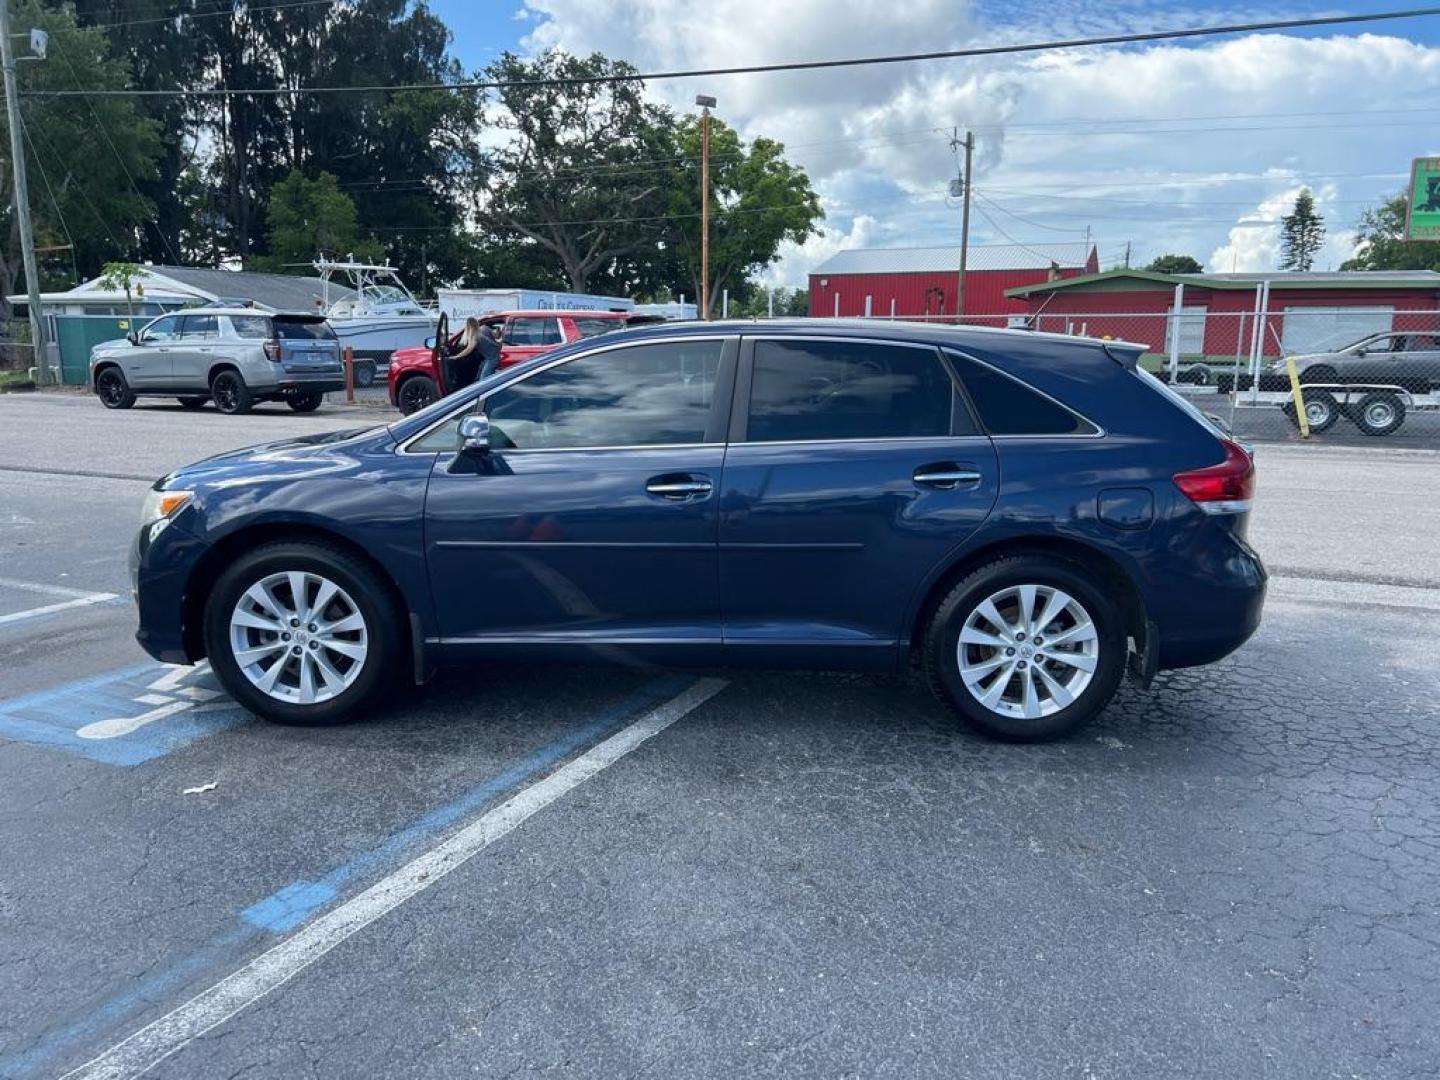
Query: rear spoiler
x,y
1124,353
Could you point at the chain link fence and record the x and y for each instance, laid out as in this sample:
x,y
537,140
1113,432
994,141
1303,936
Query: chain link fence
x,y
1360,373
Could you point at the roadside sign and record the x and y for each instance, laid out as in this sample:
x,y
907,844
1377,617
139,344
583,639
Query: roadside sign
x,y
1423,220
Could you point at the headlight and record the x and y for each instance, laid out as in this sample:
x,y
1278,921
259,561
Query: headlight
x,y
160,507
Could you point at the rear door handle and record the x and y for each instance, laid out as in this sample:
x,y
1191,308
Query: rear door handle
x,y
679,487
947,474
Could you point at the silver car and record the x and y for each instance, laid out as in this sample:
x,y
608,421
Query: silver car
x,y
234,357
1410,360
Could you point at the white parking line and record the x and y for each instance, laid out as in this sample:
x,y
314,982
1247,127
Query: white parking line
x,y
271,969
75,598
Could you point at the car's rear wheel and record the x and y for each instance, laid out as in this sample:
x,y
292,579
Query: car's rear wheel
x,y
302,633
304,402
364,373
1025,648
193,402
1379,414
113,390
230,394
417,392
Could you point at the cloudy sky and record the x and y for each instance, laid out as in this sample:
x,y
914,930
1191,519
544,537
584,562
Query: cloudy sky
x,y
1193,148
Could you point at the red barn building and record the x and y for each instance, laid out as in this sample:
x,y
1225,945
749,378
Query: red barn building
x,y
922,282
1306,311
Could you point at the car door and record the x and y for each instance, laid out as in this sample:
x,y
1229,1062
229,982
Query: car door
x,y
193,352
1421,367
592,518
1377,361
854,469
527,336
148,363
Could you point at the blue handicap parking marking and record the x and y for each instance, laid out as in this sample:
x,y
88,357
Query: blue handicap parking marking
x,y
123,717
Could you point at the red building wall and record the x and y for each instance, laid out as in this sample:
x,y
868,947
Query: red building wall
x,y
919,295
1140,314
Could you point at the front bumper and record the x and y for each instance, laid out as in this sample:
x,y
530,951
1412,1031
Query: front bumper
x,y
160,565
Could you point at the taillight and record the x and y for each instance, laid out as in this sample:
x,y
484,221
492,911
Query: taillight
x,y
1226,488
272,351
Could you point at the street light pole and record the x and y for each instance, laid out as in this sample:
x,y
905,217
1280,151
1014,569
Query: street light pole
x,y
706,103
22,197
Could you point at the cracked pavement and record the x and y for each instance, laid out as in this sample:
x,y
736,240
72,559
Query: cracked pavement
x,y
1235,874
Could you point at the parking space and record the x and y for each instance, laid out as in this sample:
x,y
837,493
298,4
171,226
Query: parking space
x,y
608,872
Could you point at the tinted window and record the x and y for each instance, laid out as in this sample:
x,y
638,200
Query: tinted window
x,y
647,395
303,329
592,326
1007,407
200,326
533,332
163,329
250,326
847,390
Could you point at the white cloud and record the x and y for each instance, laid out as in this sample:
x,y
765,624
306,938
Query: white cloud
x,y
1065,139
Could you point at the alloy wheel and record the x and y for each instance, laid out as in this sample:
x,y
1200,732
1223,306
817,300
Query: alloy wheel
x,y
112,390
298,637
1028,651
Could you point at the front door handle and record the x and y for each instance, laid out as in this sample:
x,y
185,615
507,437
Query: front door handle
x,y
947,475
678,487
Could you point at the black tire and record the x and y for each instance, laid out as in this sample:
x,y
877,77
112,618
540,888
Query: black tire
x,y
364,373
415,393
113,390
230,394
1225,383
1321,410
1196,375
1379,414
1318,373
942,639
304,402
193,402
372,597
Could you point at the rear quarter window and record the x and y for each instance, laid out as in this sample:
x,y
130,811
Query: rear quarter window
x,y
250,326
590,327
303,329
1009,407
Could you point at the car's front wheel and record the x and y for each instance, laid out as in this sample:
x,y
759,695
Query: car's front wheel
x,y
1025,648
302,633
112,389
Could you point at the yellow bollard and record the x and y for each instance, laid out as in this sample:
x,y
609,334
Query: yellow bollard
x,y
1299,398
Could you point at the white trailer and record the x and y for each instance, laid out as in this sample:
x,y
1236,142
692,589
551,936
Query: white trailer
x,y
460,304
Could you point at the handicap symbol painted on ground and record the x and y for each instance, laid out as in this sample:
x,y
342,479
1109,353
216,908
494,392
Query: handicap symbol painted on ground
x,y
124,717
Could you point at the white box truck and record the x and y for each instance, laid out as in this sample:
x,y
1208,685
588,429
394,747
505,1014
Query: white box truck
x,y
460,304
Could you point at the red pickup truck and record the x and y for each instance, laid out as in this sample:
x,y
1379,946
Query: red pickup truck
x,y
416,378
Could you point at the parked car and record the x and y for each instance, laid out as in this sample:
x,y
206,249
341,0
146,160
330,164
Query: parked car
x,y
1408,360
1021,514
416,376
234,357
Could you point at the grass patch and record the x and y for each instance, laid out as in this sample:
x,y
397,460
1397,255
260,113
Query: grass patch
x,y
15,380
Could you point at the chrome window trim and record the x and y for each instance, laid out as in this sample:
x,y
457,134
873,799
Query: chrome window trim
x,y
869,440
1098,433
470,402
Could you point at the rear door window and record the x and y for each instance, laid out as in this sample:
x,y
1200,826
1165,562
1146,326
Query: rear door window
x,y
534,331
200,328
811,390
303,329
1009,407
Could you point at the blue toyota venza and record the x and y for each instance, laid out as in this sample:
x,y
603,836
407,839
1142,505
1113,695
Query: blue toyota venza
x,y
1021,516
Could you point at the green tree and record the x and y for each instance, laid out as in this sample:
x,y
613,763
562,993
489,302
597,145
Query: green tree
x,y
1380,242
1175,264
1302,233
759,200
85,158
583,173
307,218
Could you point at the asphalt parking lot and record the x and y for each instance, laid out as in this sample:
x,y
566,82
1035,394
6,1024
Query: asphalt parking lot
x,y
629,872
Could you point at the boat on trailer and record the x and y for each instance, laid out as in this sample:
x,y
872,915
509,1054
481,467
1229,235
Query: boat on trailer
x,y
375,314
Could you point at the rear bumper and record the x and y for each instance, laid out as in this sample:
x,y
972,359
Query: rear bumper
x,y
1219,618
307,384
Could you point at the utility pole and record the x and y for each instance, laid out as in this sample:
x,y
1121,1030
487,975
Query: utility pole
x,y
969,145
22,198
706,103
1127,254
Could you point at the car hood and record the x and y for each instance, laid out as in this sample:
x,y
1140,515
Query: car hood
x,y
299,454
113,345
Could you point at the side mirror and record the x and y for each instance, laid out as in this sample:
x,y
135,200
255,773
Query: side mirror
x,y
133,337
475,434
430,342
1361,351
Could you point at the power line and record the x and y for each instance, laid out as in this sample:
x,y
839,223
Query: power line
x,y
229,11
801,65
